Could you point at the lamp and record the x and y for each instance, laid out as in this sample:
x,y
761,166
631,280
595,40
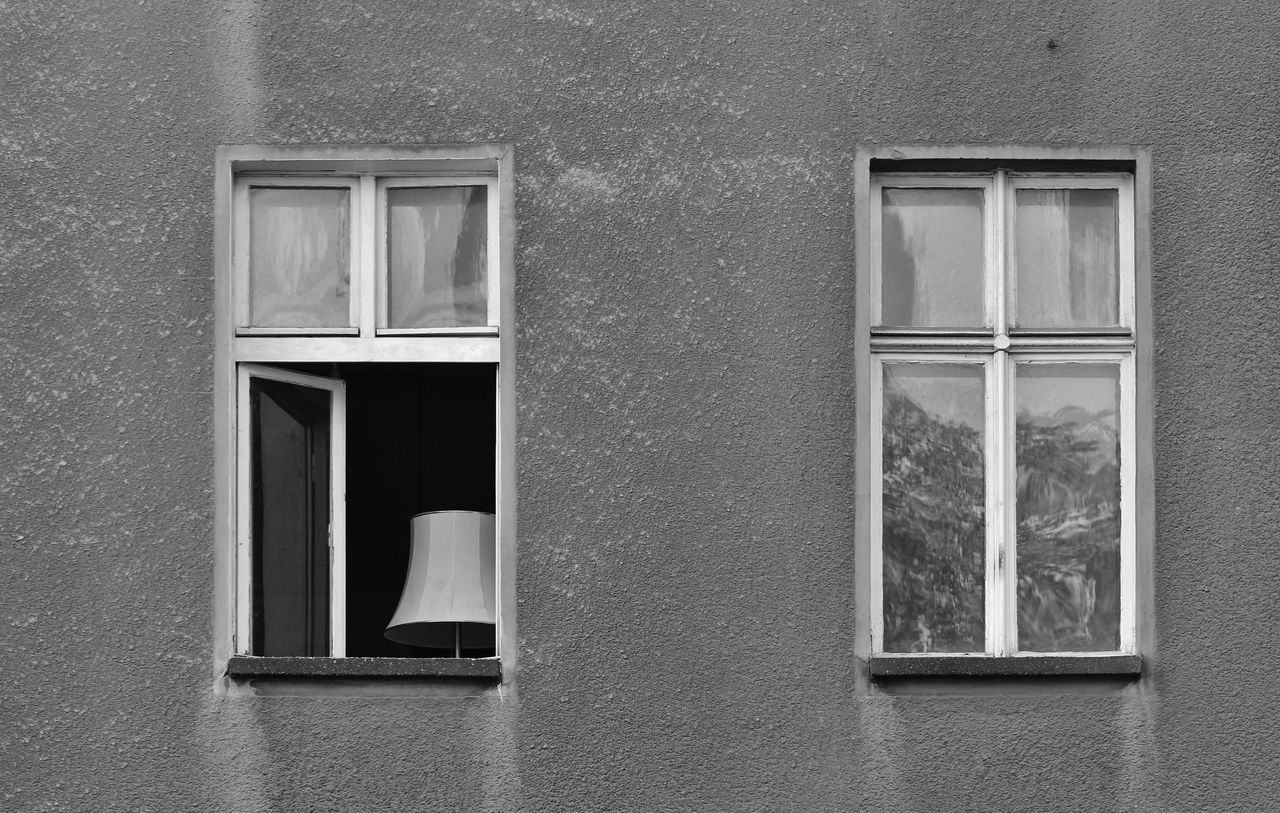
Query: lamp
x,y
448,597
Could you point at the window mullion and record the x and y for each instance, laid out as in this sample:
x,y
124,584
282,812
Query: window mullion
x,y
367,285
1001,482
995,498
999,545
998,276
1006,620
1009,494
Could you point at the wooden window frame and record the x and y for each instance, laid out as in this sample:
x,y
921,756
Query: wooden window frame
x,y
241,352
1000,172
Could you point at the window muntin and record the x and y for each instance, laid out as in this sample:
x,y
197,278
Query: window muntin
x,y
1071,589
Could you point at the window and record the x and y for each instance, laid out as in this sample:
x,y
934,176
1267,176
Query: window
x,y
1004,362
365,409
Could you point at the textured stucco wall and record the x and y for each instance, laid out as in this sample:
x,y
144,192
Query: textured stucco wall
x,y
685,301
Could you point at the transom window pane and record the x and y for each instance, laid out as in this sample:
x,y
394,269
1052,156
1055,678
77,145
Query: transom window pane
x,y
1067,257
437,256
932,256
1068,506
299,257
934,517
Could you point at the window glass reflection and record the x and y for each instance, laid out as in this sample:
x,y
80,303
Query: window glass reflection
x,y
1068,507
934,508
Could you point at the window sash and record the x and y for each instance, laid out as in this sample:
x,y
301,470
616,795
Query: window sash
x,y
493,248
1123,185
990,189
243,508
242,251
1000,469
991,488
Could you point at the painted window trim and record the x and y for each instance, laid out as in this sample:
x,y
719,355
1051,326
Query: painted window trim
x,y
360,168
965,165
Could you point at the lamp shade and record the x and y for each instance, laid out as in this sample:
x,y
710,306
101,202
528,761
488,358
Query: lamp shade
x,y
449,591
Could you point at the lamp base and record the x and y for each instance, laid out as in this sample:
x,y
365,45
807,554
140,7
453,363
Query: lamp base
x,y
455,636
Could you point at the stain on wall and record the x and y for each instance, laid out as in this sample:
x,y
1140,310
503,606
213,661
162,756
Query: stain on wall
x,y
685,384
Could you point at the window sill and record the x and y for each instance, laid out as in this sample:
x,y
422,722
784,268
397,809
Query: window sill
x,y
1110,666
486,669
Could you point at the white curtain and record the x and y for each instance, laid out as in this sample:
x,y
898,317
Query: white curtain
x,y
1066,273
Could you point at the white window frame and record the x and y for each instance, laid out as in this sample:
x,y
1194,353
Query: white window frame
x,y
999,348
242,352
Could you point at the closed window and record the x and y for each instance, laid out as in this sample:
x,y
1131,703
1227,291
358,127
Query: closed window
x,y
1001,391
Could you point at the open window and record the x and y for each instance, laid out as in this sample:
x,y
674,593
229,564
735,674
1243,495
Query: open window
x,y
292,473
365,368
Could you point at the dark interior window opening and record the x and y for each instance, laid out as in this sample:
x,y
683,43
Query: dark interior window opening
x,y
420,437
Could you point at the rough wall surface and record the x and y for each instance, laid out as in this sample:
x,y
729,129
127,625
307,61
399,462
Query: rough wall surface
x,y
685,382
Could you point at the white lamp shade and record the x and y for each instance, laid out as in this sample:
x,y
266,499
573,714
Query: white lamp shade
x,y
450,581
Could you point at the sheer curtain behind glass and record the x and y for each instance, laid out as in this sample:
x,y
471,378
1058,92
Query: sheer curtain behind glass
x,y
437,249
300,257
932,258
1067,257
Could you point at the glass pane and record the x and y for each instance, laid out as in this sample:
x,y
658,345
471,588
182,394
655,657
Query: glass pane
x,y
290,428
1068,498
931,248
934,500
1067,258
437,253
299,257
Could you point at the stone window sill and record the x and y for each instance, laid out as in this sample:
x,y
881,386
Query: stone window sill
x,y
978,666
485,669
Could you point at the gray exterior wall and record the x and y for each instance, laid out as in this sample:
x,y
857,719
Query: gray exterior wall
x,y
685,401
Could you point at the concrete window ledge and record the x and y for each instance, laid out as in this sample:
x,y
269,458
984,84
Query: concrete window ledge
x,y
1109,666
242,666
